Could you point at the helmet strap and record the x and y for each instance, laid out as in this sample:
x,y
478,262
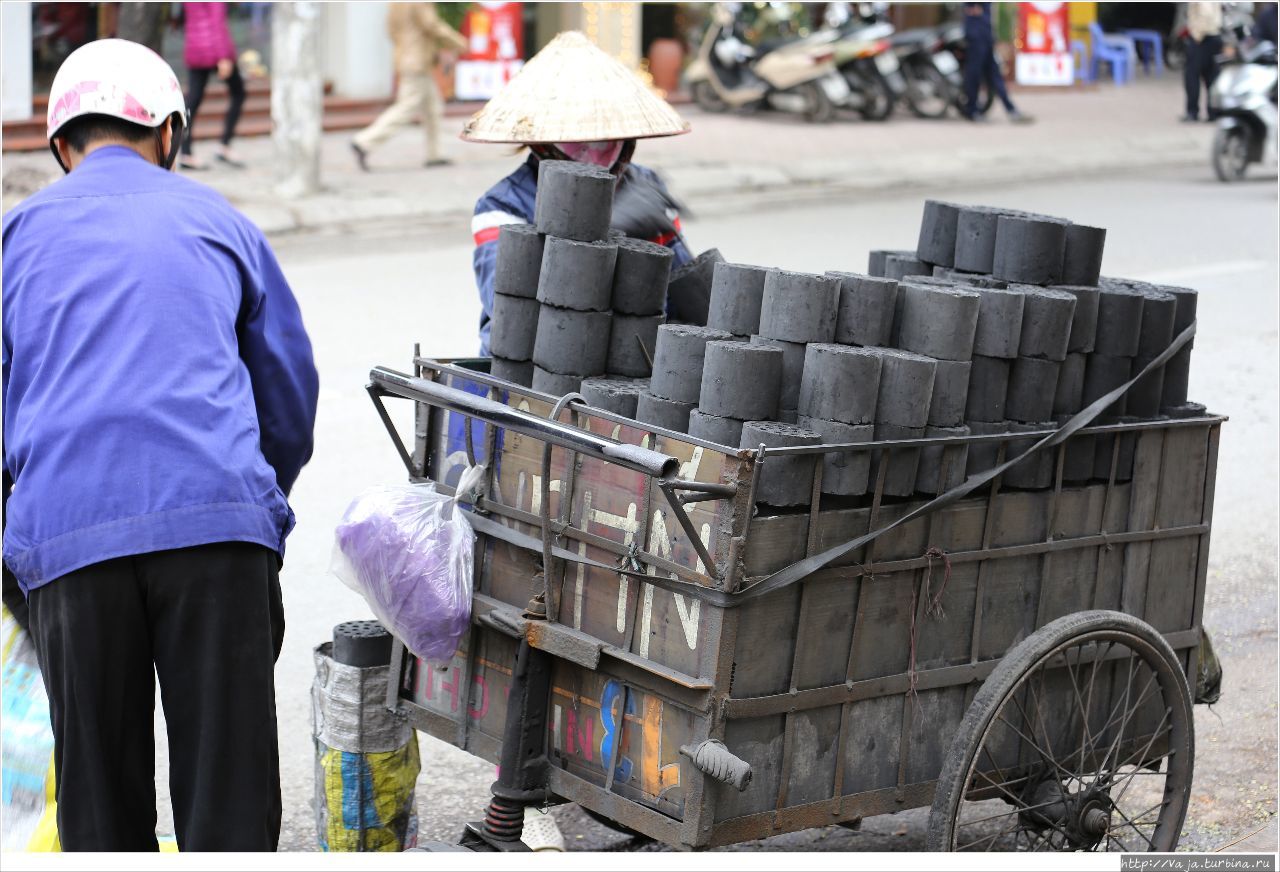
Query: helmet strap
x,y
177,129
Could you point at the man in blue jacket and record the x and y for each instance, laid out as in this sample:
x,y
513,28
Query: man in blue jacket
x,y
159,399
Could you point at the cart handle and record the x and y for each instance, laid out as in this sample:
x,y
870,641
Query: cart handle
x,y
633,457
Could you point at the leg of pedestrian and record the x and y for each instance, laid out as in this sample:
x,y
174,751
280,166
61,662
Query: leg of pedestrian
x,y
399,114
217,623
432,116
1191,80
196,81
974,67
90,632
1212,48
235,86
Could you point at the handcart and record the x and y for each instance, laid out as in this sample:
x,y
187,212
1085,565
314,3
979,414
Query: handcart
x,y
649,643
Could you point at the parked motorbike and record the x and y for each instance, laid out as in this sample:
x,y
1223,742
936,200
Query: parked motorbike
x,y
932,64
795,75
865,57
1244,99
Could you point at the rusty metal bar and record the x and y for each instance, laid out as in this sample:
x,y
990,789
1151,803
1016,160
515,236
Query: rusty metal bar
x,y
891,685
631,457
682,517
1028,550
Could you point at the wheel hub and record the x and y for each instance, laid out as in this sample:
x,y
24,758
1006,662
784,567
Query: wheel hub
x,y
1083,817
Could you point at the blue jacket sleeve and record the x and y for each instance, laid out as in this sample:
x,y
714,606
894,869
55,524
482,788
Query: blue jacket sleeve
x,y
277,352
486,254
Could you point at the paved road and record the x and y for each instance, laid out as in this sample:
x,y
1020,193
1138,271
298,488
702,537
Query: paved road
x,y
366,302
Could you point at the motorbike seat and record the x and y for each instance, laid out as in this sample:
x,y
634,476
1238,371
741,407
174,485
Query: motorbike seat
x,y
776,43
915,36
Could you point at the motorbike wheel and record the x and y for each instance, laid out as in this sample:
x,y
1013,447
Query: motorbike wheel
x,y
704,94
818,106
928,93
878,100
1230,154
1175,54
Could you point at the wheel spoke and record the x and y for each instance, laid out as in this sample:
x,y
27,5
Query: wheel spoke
x,y
1087,736
1114,715
1150,845
1043,754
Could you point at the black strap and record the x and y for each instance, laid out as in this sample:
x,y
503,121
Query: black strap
x,y
797,571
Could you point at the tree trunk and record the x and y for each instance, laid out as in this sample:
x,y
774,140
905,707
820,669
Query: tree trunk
x,y
297,97
144,23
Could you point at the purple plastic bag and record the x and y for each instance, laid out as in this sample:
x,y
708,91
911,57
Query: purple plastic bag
x,y
408,551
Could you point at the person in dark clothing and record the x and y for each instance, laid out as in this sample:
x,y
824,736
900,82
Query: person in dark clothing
x,y
1204,44
981,65
159,398
1264,27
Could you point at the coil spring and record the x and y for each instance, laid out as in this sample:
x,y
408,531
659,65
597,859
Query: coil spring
x,y
504,820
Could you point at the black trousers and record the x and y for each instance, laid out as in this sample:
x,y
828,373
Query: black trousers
x,y
1202,66
197,79
209,622
982,67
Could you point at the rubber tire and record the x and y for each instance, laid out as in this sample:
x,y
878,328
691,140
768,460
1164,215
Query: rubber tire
x,y
1222,143
606,821
821,110
1021,659
880,100
708,100
941,86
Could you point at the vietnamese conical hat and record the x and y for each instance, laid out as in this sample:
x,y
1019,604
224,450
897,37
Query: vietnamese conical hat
x,y
571,91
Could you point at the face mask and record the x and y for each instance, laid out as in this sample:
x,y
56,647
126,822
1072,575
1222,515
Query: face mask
x,y
603,153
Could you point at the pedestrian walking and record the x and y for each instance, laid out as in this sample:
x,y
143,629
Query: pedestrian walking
x,y
1204,44
571,102
981,66
159,398
210,51
419,38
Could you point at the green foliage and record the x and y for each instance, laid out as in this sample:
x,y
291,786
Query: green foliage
x,y
453,13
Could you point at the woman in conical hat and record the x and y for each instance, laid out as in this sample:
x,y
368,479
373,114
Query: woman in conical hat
x,y
572,101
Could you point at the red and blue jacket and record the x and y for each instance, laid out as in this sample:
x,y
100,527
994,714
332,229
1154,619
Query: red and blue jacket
x,y
511,201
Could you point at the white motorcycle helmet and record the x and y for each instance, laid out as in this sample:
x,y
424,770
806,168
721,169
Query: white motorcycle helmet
x,y
119,79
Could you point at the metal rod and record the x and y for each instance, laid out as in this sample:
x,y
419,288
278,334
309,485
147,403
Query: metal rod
x,y
708,564
628,456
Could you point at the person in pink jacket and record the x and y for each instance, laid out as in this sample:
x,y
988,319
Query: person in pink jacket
x,y
209,50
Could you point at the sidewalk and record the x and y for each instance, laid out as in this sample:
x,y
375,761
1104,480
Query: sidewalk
x,y
767,157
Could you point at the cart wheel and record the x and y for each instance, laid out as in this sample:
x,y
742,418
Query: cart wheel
x,y
1081,740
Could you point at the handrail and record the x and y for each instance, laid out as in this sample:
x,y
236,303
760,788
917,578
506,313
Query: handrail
x,y
633,457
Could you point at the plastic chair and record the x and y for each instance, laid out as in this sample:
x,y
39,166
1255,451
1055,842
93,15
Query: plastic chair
x,y
1080,58
1116,50
1153,44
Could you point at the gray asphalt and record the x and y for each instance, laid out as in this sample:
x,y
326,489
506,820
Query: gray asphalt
x,y
367,300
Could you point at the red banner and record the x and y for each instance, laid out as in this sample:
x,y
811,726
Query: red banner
x,y
495,49
1044,45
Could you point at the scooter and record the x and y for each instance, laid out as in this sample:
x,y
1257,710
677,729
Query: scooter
x,y
1244,99
932,61
865,57
797,76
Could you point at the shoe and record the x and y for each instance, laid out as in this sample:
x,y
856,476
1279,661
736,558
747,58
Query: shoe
x,y
541,833
1188,119
190,163
230,161
361,157
438,162
1016,117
